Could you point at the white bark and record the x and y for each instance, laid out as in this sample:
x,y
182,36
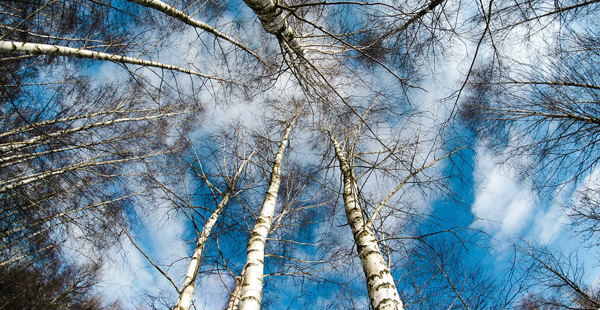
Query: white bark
x,y
171,11
38,125
32,126
11,146
380,283
19,158
57,50
187,291
273,21
252,283
24,180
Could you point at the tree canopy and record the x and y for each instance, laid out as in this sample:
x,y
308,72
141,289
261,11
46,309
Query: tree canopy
x,y
299,154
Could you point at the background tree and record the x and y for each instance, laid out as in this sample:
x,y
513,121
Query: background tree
x,y
53,284
539,113
559,280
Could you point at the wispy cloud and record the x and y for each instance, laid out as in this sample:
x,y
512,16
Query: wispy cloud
x,y
503,205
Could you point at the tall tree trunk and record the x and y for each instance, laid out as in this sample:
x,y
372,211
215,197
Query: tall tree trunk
x,y
187,291
380,283
252,282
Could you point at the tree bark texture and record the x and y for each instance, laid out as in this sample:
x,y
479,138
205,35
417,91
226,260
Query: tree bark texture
x,y
234,298
273,21
380,283
252,283
187,291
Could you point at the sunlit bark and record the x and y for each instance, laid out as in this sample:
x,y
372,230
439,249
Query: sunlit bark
x,y
187,291
56,50
252,283
380,283
234,299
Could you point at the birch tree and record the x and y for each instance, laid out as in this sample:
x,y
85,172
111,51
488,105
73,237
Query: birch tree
x,y
252,281
57,285
187,290
380,282
50,162
397,162
352,64
539,114
558,279
546,109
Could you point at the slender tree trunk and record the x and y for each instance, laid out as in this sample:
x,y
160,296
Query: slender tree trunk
x,y
11,146
187,291
180,15
380,283
57,50
252,283
23,157
432,5
32,126
24,180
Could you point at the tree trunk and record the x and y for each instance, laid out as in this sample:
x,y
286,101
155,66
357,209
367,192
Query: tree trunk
x,y
187,291
234,298
12,146
57,50
24,180
273,21
252,282
180,15
380,283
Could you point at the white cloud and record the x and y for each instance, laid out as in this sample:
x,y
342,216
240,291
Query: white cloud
x,y
123,274
503,206
549,223
211,292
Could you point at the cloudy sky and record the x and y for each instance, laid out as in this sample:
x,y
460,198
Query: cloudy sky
x,y
408,92
501,202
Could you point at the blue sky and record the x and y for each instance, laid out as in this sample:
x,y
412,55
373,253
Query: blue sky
x,y
475,206
485,195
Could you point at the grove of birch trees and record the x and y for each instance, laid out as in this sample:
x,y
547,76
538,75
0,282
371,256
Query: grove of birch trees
x,y
287,154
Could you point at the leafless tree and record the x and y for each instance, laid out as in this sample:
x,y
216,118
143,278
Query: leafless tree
x,y
50,284
559,280
78,151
